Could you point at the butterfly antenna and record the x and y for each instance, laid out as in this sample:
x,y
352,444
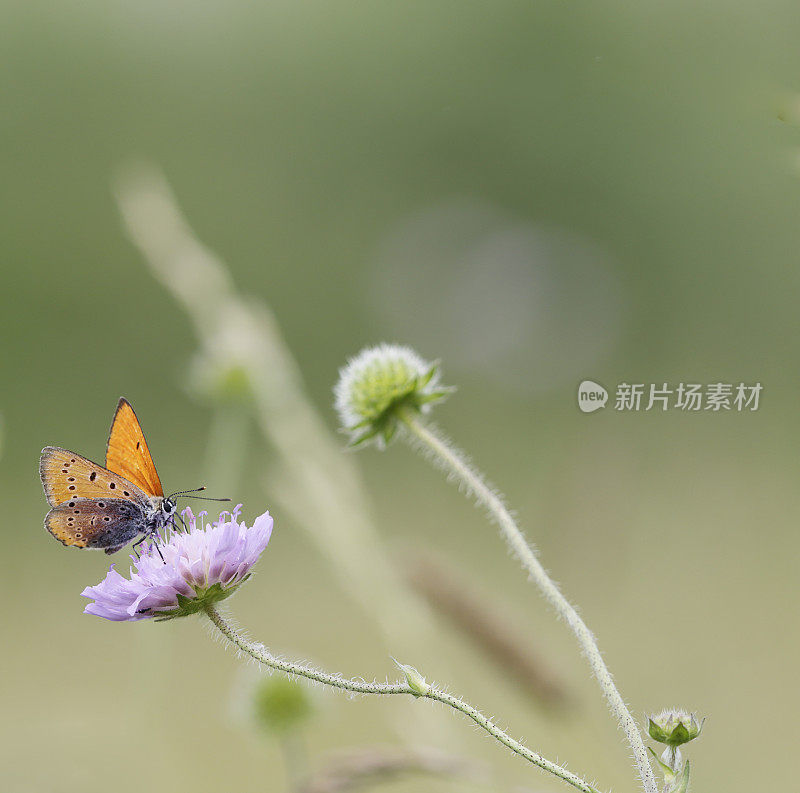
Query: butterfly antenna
x,y
183,492
197,490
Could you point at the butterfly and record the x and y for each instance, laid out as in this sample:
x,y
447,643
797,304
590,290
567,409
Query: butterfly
x,y
106,508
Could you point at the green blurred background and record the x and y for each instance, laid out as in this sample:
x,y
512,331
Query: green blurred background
x,y
536,193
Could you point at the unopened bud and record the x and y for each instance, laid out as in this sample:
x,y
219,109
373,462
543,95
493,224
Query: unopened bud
x,y
377,385
674,727
416,682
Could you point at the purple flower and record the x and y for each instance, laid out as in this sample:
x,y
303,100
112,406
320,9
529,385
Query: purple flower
x,y
201,566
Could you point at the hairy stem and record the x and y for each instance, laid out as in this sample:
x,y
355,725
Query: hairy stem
x,y
261,654
452,461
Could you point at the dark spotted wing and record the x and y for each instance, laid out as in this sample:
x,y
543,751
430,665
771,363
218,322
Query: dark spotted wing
x,y
107,523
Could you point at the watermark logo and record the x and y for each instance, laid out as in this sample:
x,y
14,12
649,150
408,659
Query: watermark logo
x,y
591,396
686,397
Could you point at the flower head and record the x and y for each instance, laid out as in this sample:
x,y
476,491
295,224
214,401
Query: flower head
x,y
377,384
674,726
200,566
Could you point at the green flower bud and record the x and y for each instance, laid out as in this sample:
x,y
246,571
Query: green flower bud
x,y
380,382
281,704
674,727
416,682
220,381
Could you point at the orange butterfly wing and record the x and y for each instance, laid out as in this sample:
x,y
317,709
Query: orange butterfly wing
x,y
127,453
66,476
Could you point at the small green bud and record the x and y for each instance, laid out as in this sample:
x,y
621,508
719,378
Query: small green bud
x,y
674,727
220,381
281,704
416,682
377,384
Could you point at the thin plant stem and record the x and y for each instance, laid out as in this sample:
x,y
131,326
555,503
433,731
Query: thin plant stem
x,y
226,448
294,757
261,654
453,462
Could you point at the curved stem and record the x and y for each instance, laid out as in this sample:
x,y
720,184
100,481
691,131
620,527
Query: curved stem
x,y
452,461
261,654
506,740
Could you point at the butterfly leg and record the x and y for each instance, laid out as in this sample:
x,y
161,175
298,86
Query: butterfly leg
x,y
135,547
155,544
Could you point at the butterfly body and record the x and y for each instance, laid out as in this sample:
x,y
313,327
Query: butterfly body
x,y
105,508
